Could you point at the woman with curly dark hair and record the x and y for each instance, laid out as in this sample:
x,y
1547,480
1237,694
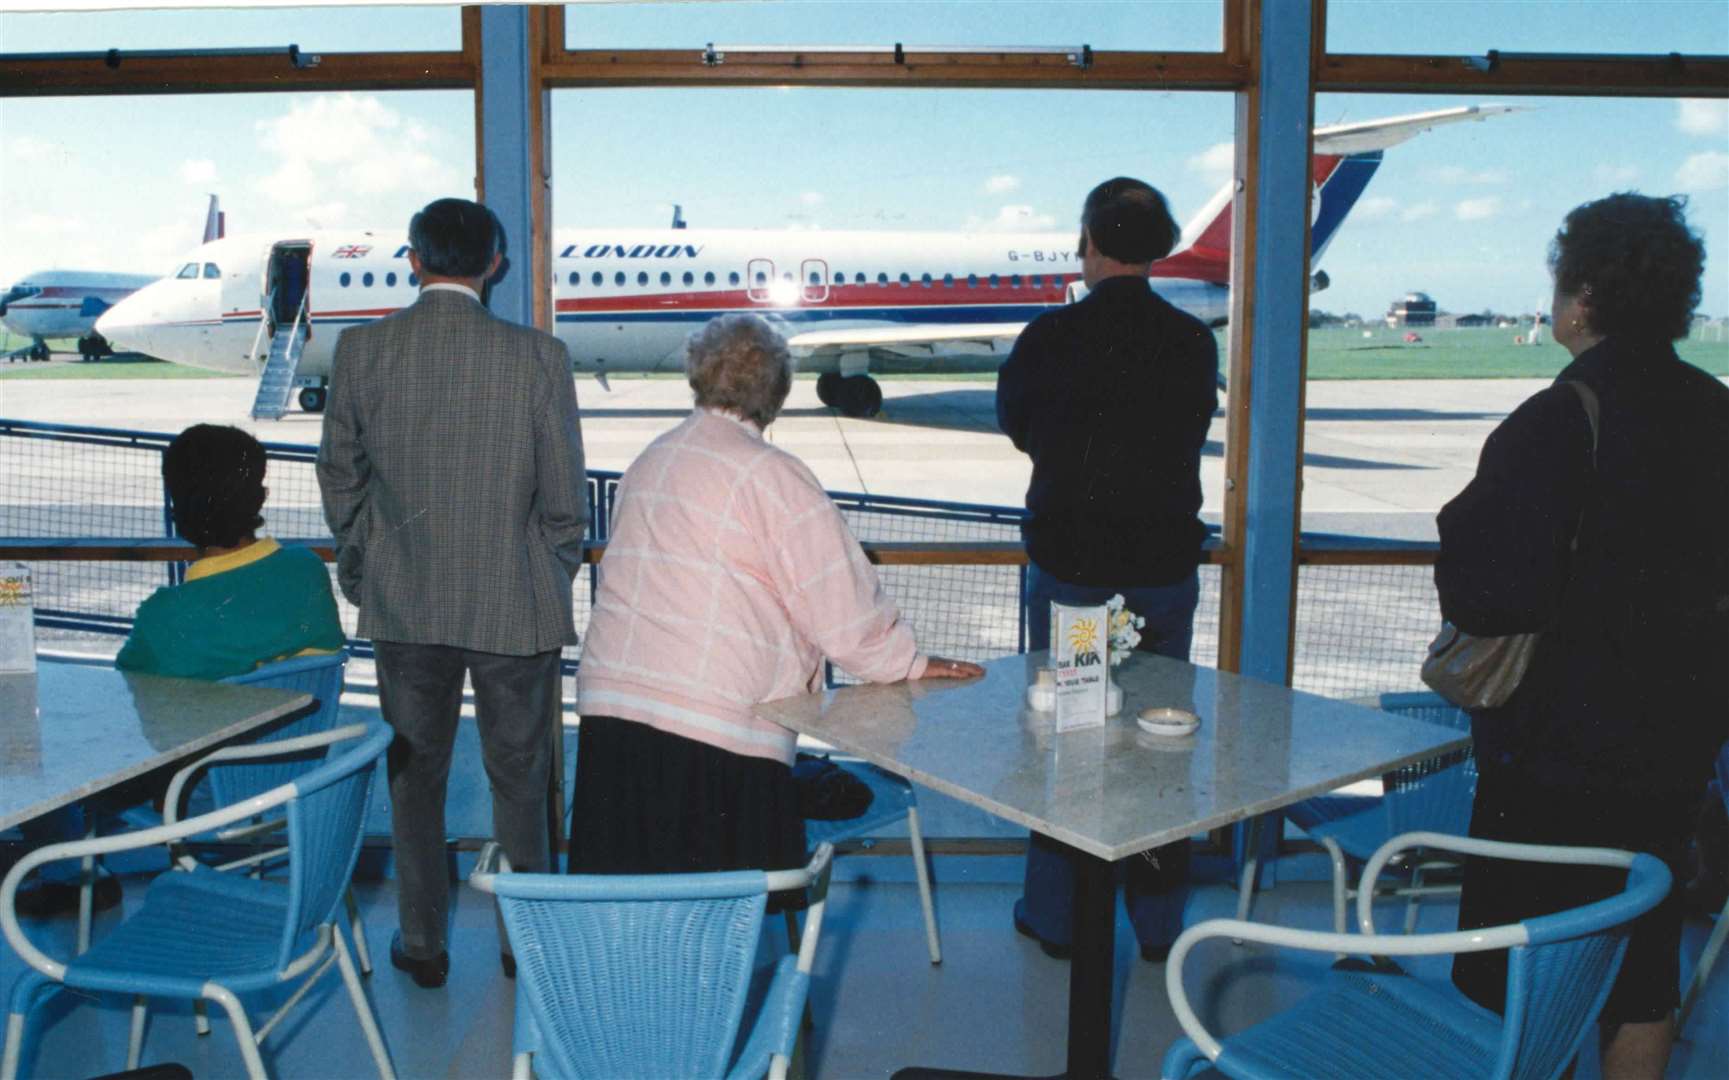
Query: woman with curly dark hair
x,y
1610,536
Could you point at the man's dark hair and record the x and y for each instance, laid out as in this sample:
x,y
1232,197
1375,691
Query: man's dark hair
x,y
1129,221
455,238
215,478
1639,259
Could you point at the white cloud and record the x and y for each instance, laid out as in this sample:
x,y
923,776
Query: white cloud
x,y
1002,185
1458,174
1703,172
1478,209
1419,211
812,198
1376,207
325,215
29,150
1702,116
1018,218
197,170
350,144
1617,174
1216,161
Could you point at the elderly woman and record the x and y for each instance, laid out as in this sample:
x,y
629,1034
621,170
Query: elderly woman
x,y
729,576
1609,739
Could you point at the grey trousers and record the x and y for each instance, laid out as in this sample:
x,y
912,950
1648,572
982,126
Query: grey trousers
x,y
516,702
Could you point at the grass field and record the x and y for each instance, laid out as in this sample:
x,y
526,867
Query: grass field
x,y
1333,354
1460,354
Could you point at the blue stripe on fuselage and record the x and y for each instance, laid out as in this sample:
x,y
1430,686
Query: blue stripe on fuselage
x,y
955,314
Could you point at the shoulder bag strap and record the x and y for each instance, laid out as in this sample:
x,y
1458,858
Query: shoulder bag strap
x,y
1588,399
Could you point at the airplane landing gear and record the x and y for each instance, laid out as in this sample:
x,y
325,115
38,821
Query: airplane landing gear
x,y
857,396
93,347
312,399
39,351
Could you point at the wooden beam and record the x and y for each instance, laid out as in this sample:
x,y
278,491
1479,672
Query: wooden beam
x,y
26,77
1108,70
1526,73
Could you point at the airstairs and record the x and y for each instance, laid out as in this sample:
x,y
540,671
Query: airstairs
x,y
276,381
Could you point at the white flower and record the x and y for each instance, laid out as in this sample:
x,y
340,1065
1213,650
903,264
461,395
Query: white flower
x,y
1125,629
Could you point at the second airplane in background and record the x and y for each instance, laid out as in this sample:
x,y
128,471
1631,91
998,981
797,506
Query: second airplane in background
x,y
850,303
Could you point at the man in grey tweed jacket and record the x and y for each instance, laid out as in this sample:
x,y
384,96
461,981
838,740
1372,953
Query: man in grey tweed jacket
x,y
452,474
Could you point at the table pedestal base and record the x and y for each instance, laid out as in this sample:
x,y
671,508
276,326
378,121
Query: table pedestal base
x,y
1091,977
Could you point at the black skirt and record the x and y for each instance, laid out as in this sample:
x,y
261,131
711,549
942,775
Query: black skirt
x,y
1513,807
647,802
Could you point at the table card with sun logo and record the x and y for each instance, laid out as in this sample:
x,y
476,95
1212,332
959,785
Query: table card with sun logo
x,y
1079,653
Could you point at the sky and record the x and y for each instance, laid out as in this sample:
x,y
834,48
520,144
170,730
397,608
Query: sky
x,y
1463,213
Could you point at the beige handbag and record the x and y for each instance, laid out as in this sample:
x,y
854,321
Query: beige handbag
x,y
1476,672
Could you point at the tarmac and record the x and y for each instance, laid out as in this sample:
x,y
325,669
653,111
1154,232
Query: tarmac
x,y
1380,457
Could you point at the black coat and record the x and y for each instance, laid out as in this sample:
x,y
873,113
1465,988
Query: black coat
x,y
1112,397
1629,688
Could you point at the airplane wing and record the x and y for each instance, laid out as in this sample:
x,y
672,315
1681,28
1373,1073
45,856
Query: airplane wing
x,y
1369,135
950,339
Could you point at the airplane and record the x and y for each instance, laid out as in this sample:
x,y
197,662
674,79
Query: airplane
x,y
67,303
625,299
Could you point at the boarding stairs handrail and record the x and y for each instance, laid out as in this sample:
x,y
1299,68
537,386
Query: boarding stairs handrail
x,y
265,319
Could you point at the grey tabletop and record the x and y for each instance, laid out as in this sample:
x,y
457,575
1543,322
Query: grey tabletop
x,y
73,730
1115,790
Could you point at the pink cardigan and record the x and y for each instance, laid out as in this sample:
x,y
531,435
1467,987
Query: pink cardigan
x,y
729,576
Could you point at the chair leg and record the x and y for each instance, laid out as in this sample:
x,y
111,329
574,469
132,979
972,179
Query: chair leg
x,y
14,1046
921,869
523,1067
362,1007
200,1017
362,956
1340,884
242,1029
1251,864
1701,971
135,1042
1415,900
86,885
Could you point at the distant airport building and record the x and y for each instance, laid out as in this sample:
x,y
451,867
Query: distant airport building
x,y
1416,309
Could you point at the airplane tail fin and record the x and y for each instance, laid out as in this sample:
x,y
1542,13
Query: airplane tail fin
x,y
215,221
1346,158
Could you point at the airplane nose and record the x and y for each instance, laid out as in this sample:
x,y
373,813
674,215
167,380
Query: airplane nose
x,y
126,325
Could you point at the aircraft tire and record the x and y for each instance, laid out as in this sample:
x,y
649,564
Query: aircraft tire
x,y
39,351
828,386
312,399
860,397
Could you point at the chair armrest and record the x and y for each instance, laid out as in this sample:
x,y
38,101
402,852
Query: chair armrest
x,y
777,1026
107,845
1465,845
491,863
814,873
1458,941
249,752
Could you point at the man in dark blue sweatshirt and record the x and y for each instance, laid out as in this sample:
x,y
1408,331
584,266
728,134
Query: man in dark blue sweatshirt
x,y
1111,397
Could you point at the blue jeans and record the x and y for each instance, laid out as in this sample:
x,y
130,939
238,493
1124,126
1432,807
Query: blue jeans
x,y
1154,893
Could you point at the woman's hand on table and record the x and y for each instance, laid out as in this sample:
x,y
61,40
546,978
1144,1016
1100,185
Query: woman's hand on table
x,y
937,667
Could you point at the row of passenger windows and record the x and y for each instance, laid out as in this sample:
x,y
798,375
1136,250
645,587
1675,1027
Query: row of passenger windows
x,y
367,280
760,279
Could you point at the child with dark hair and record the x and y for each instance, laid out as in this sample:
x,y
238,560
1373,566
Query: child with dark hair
x,y
247,600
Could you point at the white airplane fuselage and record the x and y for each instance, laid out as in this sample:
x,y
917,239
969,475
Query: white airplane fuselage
x,y
64,303
626,299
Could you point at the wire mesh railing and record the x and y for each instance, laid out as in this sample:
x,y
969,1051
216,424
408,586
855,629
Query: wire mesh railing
x,y
1361,628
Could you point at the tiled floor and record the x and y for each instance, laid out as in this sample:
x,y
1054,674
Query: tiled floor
x,y
996,1002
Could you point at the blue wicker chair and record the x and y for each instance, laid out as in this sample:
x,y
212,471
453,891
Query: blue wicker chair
x,y
1429,796
1370,1020
204,935
646,976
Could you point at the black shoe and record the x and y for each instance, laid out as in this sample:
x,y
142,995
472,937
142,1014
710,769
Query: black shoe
x,y
1050,949
49,898
508,963
429,974
1155,954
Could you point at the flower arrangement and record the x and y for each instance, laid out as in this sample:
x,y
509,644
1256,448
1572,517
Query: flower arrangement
x,y
1125,629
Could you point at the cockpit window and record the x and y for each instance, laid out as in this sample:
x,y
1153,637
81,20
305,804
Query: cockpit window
x,y
211,271
189,271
